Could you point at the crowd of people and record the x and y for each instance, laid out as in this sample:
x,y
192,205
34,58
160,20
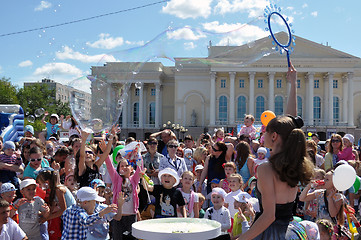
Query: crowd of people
x,y
276,186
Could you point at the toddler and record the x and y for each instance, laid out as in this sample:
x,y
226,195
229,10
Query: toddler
x,y
219,213
201,200
245,215
261,153
52,127
229,169
188,158
8,193
214,184
10,163
219,135
346,153
248,130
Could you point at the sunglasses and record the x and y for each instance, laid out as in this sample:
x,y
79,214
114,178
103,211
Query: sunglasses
x,y
152,143
216,150
35,159
335,140
89,152
172,146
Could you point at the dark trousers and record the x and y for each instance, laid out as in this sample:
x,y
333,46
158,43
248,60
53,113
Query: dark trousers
x,y
122,230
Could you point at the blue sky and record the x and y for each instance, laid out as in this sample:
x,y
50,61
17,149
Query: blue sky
x,y
176,28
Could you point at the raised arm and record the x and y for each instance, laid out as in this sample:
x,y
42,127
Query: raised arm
x,y
292,96
204,175
43,119
81,166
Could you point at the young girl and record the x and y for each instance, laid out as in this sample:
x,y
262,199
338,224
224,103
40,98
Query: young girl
x,y
235,184
124,181
190,197
325,227
229,169
219,135
58,197
346,153
330,202
71,184
311,206
52,127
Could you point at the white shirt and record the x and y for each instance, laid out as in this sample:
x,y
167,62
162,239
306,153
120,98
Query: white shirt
x,y
221,215
11,231
230,200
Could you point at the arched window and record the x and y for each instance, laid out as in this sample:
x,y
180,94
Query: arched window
x,y
259,106
299,106
336,109
152,113
241,108
222,115
317,108
136,113
278,105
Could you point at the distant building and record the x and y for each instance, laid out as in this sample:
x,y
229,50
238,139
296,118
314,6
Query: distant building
x,y
218,94
62,93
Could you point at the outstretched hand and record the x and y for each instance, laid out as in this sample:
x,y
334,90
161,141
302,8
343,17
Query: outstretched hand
x,y
292,74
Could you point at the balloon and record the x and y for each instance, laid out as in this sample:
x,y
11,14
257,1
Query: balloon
x,y
309,134
356,185
344,177
267,116
115,153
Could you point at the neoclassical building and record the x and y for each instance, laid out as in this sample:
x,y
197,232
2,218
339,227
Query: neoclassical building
x,y
217,91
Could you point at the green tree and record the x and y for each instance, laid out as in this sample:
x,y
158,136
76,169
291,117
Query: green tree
x,y
8,92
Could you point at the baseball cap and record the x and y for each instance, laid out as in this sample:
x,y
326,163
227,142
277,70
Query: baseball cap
x,y
9,145
88,194
171,172
349,137
199,167
219,191
7,187
215,180
29,128
242,197
27,182
98,182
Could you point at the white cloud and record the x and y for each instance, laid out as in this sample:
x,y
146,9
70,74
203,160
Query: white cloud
x,y
106,42
305,5
43,5
185,33
58,69
314,14
188,8
238,33
189,45
69,53
138,43
26,63
254,8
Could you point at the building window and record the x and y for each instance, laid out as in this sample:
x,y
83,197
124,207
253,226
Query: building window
x,y
336,109
260,83
335,83
317,83
222,109
241,83
137,92
278,106
259,106
241,108
223,83
316,108
136,113
152,92
299,106
279,83
152,113
298,83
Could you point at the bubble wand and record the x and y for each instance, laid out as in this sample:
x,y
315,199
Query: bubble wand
x,y
273,10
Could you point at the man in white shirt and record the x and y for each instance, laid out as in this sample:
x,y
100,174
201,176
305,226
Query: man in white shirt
x,y
9,230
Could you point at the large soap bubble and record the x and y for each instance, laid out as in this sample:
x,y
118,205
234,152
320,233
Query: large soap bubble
x,y
96,102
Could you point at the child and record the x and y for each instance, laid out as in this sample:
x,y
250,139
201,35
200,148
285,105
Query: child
x,y
244,216
201,200
8,193
219,213
248,130
325,228
229,169
346,153
219,135
235,184
190,197
99,186
198,172
52,127
36,163
167,197
10,163
214,184
28,207
261,153
329,194
311,206
188,158
71,184
78,218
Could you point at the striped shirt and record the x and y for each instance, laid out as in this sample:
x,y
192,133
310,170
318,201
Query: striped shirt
x,y
10,159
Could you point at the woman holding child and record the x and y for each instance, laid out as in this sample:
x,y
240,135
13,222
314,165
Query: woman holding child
x,y
277,179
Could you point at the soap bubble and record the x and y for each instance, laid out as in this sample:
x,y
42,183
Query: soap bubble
x,y
39,112
31,118
96,102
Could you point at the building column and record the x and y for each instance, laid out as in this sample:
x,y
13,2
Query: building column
x,y
271,91
141,105
325,106
350,98
309,97
157,106
251,93
330,97
344,98
232,76
212,110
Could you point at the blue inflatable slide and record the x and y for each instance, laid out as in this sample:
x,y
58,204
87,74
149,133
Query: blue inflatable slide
x,y
11,122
